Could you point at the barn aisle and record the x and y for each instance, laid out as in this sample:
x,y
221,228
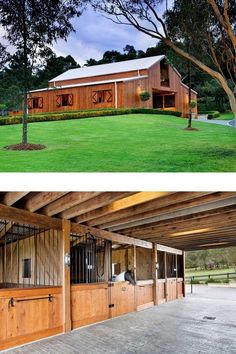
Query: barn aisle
x,y
175,327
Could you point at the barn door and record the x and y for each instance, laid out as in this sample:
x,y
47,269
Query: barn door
x,y
122,298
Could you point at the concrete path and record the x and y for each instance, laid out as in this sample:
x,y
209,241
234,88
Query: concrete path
x,y
216,121
204,322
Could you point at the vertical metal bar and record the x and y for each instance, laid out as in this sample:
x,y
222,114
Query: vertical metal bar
x,y
44,265
35,239
5,256
11,261
18,257
54,258
49,257
29,254
23,252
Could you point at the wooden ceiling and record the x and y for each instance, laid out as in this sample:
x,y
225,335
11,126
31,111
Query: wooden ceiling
x,y
184,220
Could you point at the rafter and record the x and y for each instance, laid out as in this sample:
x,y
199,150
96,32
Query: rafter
x,y
41,199
10,198
91,204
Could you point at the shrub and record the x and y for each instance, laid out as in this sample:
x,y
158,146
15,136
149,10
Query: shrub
x,y
195,281
46,117
193,104
211,114
144,96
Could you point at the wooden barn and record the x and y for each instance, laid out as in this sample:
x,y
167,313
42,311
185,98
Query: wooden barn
x,y
115,85
63,254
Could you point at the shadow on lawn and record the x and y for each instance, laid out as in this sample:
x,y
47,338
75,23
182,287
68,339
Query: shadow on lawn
x,y
217,152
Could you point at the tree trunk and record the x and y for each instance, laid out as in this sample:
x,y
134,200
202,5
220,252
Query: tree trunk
x,y
24,117
216,75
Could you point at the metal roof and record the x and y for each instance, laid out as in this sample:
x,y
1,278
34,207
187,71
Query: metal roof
x,y
111,68
93,83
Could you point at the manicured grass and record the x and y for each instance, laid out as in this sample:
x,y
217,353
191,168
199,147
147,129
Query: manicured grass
x,y
191,272
226,116
135,143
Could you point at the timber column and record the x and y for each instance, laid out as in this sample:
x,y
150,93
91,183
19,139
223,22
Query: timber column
x,y
154,273
66,275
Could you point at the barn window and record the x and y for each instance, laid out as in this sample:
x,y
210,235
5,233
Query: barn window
x,y
102,96
64,100
26,271
169,101
165,80
35,102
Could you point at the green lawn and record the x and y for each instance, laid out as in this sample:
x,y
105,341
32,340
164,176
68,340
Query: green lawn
x,y
132,143
191,272
226,116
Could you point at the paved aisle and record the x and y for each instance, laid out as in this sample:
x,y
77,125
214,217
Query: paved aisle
x,y
175,328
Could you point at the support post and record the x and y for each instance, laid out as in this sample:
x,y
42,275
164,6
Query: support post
x,y
176,275
134,250
155,273
165,270
184,283
66,275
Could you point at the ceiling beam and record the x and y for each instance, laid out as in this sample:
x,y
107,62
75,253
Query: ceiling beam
x,y
226,218
10,198
112,236
91,204
41,199
67,201
168,249
25,217
172,212
119,205
160,202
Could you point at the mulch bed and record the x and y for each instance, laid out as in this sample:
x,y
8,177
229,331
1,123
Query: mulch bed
x,y
25,147
191,129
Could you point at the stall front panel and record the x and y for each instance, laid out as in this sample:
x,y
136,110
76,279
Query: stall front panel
x,y
29,314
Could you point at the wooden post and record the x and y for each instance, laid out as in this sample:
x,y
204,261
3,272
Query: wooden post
x,y
184,285
165,270
176,275
134,250
66,275
154,273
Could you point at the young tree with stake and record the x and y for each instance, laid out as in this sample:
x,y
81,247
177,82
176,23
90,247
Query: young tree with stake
x,y
31,26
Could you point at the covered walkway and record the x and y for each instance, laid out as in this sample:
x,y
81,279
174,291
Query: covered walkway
x,y
181,326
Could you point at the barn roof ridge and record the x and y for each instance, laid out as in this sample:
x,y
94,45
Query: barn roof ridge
x,y
109,68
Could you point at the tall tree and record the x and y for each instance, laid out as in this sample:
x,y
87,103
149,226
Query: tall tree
x,y
4,56
31,26
208,24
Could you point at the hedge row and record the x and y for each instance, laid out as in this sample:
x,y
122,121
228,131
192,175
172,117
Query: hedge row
x,y
211,114
84,114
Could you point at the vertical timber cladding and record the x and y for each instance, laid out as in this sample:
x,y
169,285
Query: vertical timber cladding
x,y
30,283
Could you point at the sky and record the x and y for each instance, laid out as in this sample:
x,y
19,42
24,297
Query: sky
x,y
96,34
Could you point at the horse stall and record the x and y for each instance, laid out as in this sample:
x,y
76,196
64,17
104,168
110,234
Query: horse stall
x,y
170,275
89,274
30,283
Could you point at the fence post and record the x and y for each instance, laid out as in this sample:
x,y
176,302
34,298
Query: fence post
x,y
191,285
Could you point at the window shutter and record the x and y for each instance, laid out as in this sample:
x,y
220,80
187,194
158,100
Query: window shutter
x,y
59,101
70,100
30,101
95,97
109,96
40,102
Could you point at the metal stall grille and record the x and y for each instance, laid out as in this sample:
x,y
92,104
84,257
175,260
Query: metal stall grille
x,y
29,256
89,259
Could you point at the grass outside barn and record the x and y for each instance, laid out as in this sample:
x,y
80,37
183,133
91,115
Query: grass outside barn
x,y
128,143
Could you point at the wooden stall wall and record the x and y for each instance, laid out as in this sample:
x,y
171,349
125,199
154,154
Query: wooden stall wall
x,y
44,253
32,318
89,304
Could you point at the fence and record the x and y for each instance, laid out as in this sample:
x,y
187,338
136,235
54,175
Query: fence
x,y
210,278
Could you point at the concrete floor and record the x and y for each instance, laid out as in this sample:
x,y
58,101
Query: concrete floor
x,y
175,327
